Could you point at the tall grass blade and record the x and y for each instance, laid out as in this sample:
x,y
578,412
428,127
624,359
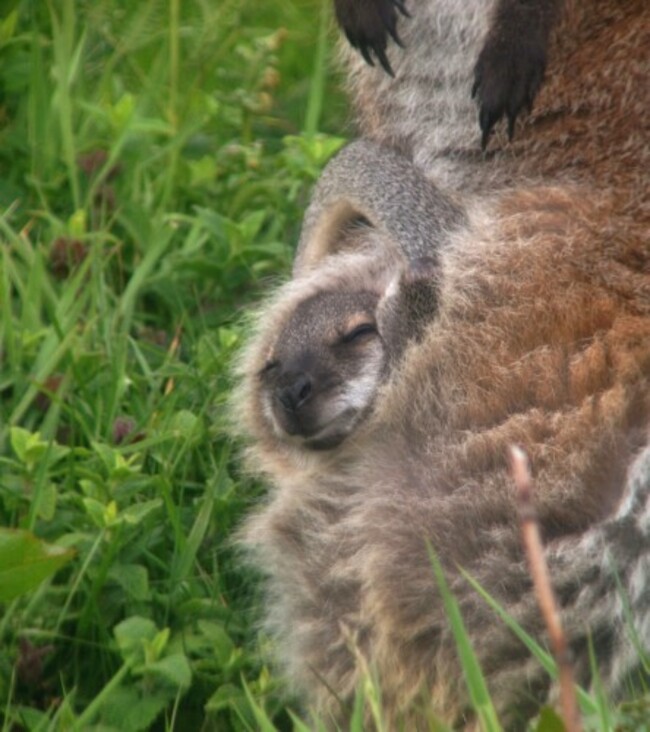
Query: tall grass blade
x,y
476,686
544,658
319,73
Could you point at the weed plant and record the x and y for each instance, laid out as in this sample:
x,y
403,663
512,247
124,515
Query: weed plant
x,y
154,163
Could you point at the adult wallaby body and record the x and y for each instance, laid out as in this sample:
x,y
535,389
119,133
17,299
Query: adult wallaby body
x,y
501,299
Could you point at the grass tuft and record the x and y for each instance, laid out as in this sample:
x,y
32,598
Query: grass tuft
x,y
154,164
155,161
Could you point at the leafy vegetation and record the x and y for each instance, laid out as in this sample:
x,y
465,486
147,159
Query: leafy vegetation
x,y
155,158
154,163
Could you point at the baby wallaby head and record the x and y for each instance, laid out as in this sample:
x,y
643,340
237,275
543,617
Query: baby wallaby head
x,y
322,374
333,345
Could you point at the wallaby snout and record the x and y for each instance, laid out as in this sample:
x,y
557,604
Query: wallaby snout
x,y
294,394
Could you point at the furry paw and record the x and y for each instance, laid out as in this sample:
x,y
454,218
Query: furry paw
x,y
507,76
367,25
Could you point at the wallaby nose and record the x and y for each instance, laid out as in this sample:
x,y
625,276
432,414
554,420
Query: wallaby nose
x,y
295,394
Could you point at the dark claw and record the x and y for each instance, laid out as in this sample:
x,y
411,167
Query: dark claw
x,y
485,137
487,120
402,8
389,20
510,68
529,103
365,53
395,37
504,85
369,26
383,60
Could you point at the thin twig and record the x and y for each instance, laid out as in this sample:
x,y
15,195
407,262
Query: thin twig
x,y
543,590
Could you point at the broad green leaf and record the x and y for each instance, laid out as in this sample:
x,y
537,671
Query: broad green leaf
x,y
131,635
128,710
92,488
186,425
124,468
96,511
20,440
154,648
221,643
549,721
47,502
225,697
122,111
319,148
132,578
136,513
110,513
202,171
25,561
30,448
227,338
173,669
8,26
78,223
32,719
117,466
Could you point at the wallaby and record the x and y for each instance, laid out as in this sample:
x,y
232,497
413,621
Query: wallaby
x,y
329,340
589,122
511,64
528,323
537,339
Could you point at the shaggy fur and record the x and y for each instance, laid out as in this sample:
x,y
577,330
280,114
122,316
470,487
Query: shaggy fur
x,y
540,340
590,117
540,337
510,67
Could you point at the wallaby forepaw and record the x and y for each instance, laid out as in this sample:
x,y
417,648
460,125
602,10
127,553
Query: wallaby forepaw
x,y
368,24
507,77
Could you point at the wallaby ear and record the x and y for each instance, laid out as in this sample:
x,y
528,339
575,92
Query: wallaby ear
x,y
409,304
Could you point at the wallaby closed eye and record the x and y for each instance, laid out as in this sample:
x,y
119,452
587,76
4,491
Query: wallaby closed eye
x,y
359,332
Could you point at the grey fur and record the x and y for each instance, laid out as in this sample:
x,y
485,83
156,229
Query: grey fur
x,y
530,325
535,340
366,181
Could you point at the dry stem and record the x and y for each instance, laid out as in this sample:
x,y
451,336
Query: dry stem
x,y
543,590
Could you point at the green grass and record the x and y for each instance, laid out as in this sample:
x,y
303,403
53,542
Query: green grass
x,y
155,160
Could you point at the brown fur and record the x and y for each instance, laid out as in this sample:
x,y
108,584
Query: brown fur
x,y
590,122
541,338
